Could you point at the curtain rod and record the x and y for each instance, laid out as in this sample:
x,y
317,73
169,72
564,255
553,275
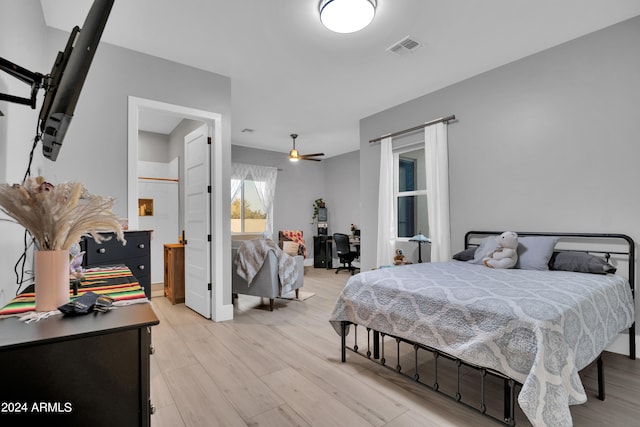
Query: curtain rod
x,y
415,128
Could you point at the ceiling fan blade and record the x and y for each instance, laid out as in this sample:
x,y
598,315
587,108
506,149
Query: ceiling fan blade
x,y
310,158
312,155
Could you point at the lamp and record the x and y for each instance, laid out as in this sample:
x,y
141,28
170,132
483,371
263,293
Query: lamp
x,y
420,239
346,16
293,155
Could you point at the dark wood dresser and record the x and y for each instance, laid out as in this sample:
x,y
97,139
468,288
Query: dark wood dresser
x,y
77,371
136,255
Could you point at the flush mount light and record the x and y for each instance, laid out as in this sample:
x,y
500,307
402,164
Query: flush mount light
x,y
346,16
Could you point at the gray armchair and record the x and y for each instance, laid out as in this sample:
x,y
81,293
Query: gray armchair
x,y
266,283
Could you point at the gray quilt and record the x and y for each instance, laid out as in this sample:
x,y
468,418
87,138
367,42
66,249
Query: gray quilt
x,y
538,327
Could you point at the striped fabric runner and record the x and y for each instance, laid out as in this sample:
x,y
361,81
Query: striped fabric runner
x,y
116,282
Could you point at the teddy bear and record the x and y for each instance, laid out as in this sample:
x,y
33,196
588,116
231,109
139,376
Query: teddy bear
x,y
399,258
506,255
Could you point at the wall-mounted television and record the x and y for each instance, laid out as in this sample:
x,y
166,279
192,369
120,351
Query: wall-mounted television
x,y
64,84
67,78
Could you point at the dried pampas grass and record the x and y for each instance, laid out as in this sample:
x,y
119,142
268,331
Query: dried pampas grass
x,y
57,217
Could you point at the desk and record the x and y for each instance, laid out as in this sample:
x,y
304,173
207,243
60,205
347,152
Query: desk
x,y
323,251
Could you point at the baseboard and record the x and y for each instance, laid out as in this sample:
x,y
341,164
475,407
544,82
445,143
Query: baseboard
x,y
224,313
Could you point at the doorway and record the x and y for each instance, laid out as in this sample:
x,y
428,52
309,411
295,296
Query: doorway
x,y
169,112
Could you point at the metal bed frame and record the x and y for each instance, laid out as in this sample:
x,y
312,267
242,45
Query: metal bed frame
x,y
375,346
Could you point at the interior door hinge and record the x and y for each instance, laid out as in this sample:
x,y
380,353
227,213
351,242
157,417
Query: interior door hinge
x,y
209,189
209,140
209,286
208,237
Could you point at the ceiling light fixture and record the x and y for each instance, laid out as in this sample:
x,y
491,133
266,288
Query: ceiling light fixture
x,y
294,156
346,16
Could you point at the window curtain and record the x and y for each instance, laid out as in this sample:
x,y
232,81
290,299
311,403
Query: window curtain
x,y
386,211
239,173
265,180
437,165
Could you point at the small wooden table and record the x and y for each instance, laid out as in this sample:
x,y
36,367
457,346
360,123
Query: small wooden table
x,y
174,272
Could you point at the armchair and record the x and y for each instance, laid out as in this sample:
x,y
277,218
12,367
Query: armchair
x,y
266,282
345,254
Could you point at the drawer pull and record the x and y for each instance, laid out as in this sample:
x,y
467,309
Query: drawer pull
x,y
141,267
102,250
141,246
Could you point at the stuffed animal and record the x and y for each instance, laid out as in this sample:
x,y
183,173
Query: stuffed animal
x,y
399,258
506,256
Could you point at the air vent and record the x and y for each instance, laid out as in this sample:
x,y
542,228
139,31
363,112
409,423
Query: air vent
x,y
405,46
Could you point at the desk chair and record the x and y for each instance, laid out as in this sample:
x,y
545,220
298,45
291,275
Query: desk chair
x,y
345,253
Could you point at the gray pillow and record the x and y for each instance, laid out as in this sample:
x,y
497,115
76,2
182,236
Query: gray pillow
x,y
580,262
534,252
466,255
487,245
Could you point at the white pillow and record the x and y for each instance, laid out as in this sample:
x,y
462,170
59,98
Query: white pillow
x,y
534,252
290,248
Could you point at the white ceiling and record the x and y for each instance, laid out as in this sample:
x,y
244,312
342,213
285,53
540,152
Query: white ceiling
x,y
291,75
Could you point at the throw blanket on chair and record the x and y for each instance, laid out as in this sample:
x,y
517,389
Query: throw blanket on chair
x,y
253,253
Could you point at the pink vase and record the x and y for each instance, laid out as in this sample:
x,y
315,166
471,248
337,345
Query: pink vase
x,y
51,279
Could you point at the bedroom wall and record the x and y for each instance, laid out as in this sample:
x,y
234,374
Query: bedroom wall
x,y
549,142
546,143
99,128
153,147
94,151
342,191
22,35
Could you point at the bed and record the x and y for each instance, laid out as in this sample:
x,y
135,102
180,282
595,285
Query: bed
x,y
532,327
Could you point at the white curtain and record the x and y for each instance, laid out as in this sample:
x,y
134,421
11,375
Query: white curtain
x,y
239,172
437,164
386,211
265,179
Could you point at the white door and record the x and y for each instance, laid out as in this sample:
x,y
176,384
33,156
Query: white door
x,y
197,274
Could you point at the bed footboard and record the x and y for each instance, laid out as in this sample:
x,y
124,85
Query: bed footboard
x,y
377,352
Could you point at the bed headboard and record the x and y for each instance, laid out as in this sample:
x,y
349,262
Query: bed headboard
x,y
618,248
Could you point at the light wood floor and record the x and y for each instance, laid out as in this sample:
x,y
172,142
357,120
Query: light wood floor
x,y
283,368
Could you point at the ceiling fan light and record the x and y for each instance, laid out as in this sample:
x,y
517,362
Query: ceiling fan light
x,y
346,16
293,155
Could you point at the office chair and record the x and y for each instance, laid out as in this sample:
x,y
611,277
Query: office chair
x,y
345,253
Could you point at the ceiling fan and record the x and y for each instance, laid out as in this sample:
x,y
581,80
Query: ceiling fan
x,y
294,155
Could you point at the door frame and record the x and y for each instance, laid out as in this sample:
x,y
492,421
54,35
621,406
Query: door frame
x,y
218,266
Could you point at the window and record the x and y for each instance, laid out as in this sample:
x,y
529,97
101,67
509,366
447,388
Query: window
x,y
410,192
248,213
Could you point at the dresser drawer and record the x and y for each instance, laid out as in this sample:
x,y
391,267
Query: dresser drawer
x,y
138,244
141,268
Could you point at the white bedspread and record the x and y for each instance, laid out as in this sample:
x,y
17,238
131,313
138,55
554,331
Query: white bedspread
x,y
538,327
